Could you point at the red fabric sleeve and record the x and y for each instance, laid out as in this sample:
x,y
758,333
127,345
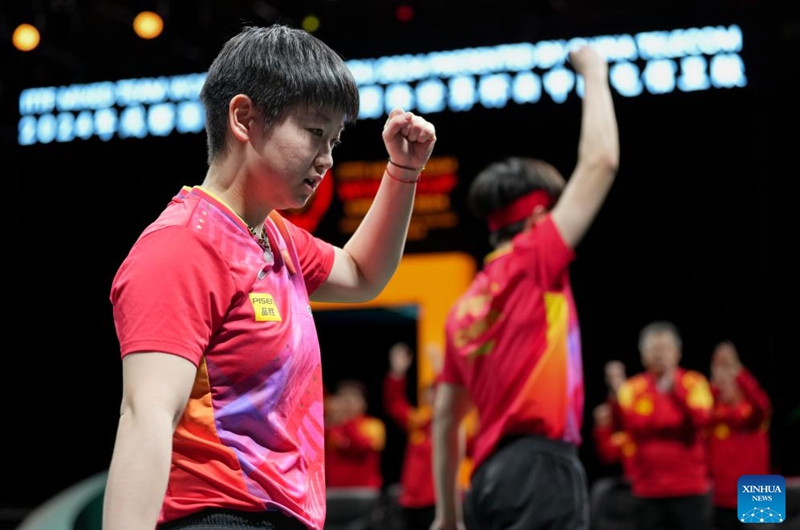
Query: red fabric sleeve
x,y
170,293
359,435
452,370
607,451
316,255
755,394
395,402
753,411
549,254
693,393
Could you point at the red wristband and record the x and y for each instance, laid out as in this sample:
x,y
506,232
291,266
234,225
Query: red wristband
x,y
401,180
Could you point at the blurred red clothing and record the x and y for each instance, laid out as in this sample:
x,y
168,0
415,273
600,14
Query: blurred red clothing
x,y
353,452
669,430
613,444
739,442
416,477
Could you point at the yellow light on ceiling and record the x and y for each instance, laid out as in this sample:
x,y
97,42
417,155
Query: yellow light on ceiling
x,y
148,25
26,37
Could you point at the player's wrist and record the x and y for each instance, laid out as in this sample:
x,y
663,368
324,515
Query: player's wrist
x,y
403,173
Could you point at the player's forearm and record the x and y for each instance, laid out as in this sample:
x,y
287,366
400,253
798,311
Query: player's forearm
x,y
599,139
446,460
377,245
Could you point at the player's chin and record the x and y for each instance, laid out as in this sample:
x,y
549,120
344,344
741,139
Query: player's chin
x,y
301,199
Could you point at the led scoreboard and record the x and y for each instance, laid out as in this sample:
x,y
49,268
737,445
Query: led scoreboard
x,y
653,62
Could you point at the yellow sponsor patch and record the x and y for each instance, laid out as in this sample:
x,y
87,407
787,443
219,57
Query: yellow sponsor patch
x,y
264,307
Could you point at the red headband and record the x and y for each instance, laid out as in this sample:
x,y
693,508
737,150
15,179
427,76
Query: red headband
x,y
518,210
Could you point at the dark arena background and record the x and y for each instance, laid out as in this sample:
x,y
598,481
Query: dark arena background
x,y
100,128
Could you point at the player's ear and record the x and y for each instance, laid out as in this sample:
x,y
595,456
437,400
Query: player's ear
x,y
241,116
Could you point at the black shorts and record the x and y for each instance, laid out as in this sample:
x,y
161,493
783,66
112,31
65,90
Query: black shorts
x,y
529,483
218,519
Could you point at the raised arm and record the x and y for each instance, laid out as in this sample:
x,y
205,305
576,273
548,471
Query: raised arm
x,y
363,267
395,402
598,150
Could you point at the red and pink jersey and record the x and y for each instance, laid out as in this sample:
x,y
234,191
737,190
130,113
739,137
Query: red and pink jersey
x,y
196,284
513,340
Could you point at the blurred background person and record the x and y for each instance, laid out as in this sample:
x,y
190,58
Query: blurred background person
x,y
667,410
354,444
417,497
611,503
739,443
332,410
613,445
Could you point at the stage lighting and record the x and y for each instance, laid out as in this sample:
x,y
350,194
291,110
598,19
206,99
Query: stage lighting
x,y
311,23
26,37
148,25
404,13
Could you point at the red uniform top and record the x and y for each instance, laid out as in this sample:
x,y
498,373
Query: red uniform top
x,y
197,284
739,441
513,341
353,453
416,476
669,430
613,444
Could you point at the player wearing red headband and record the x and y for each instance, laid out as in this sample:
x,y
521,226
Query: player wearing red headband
x,y
513,344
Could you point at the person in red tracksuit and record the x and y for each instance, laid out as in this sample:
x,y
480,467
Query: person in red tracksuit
x,y
739,442
667,410
612,444
417,493
353,444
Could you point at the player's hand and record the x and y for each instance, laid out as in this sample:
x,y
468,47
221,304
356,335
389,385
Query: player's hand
x,y
409,139
587,61
400,359
602,415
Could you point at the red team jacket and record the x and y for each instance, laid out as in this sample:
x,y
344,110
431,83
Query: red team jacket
x,y
353,453
613,444
669,430
739,439
416,477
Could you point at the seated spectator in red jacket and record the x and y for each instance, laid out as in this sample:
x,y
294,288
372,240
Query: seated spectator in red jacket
x,y
612,443
739,443
354,441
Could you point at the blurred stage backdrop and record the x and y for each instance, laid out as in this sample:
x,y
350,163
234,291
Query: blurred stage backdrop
x,y
100,127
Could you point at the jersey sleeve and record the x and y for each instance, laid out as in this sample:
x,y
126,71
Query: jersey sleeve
x,y
315,255
548,252
170,293
452,368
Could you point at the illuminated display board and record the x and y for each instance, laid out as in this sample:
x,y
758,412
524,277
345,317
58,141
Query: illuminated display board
x,y
653,62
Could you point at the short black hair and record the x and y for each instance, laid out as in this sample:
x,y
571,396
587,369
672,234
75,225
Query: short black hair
x,y
277,67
